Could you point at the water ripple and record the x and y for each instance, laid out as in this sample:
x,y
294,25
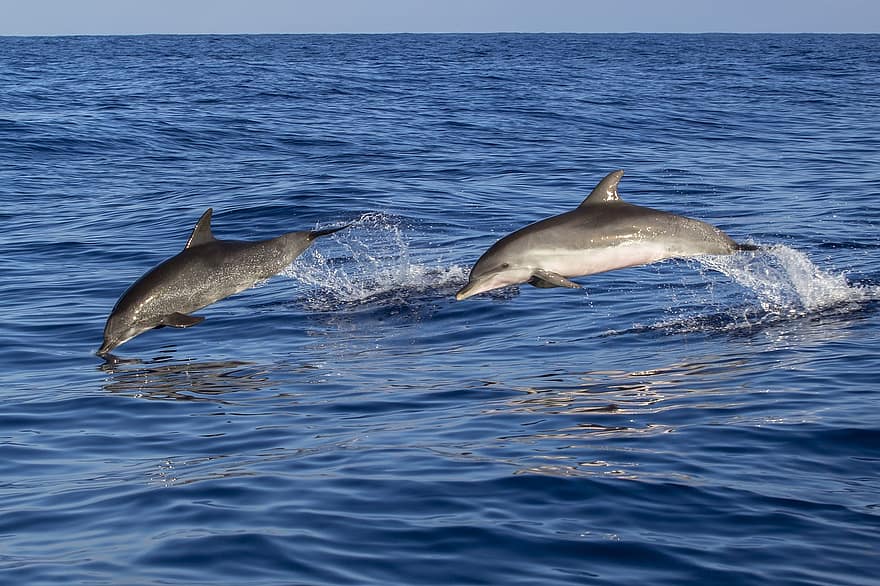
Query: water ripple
x,y
348,422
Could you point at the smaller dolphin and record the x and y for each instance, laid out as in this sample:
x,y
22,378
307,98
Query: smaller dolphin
x,y
602,234
204,272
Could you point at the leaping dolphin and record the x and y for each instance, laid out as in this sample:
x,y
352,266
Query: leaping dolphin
x,y
204,272
602,234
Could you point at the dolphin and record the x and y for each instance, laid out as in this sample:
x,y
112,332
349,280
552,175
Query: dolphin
x,y
602,234
204,272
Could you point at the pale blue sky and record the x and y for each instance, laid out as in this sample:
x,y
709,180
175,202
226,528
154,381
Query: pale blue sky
x,y
53,17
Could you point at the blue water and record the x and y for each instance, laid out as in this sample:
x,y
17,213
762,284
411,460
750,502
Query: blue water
x,y
709,421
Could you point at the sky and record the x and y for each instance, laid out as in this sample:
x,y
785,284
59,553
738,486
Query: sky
x,y
102,17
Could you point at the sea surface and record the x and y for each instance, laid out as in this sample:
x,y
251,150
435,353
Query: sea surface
x,y
705,421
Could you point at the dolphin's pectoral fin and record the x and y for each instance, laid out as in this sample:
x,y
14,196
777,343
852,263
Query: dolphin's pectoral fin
x,y
539,282
180,320
547,279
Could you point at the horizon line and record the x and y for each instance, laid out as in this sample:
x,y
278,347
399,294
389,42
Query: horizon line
x,y
426,33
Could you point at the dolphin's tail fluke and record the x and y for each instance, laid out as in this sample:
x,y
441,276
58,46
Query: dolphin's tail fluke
x,y
318,233
748,247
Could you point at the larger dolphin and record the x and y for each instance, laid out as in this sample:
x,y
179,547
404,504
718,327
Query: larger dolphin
x,y
205,271
602,234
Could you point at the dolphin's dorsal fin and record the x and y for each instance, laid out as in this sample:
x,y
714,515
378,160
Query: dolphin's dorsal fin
x,y
606,190
201,234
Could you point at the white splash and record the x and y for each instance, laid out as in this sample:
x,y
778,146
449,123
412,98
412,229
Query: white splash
x,y
785,295
786,281
370,261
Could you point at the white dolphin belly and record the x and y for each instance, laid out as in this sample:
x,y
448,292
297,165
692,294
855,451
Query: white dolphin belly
x,y
578,262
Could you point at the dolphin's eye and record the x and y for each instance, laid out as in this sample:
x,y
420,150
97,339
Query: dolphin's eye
x,y
505,265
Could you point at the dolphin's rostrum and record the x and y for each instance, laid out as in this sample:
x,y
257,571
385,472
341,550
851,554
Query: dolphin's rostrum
x,y
602,234
204,272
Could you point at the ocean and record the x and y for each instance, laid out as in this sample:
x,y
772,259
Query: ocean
x,y
702,421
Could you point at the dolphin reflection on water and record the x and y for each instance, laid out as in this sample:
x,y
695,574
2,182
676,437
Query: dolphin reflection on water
x,y
602,234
